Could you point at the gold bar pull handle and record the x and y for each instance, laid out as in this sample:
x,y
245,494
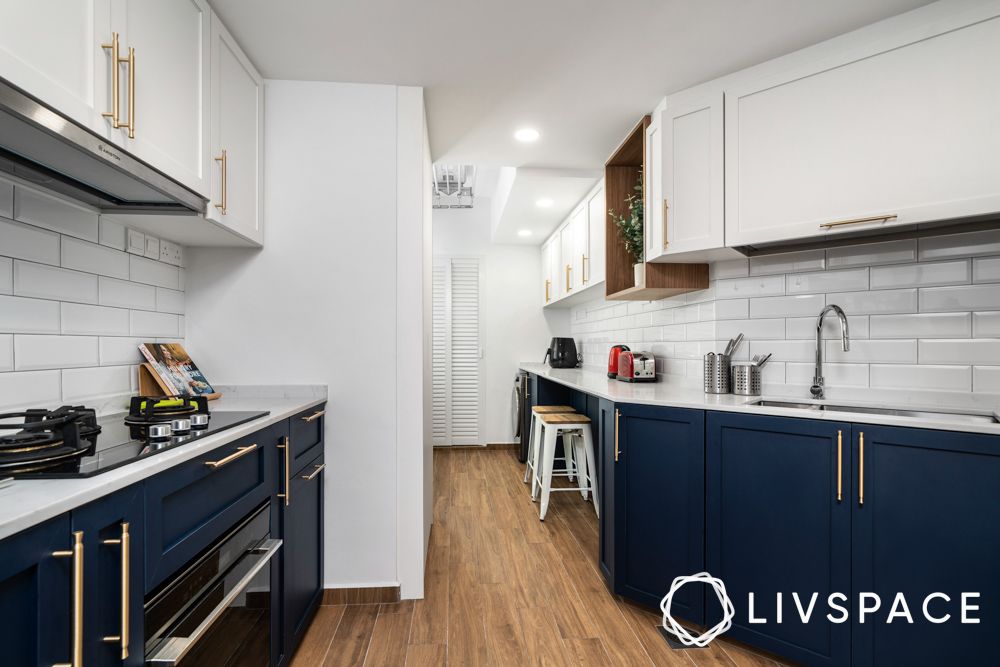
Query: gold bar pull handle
x,y
666,228
569,267
840,462
548,285
584,269
858,221
311,476
861,468
123,638
618,414
314,416
76,553
239,453
115,93
224,161
287,495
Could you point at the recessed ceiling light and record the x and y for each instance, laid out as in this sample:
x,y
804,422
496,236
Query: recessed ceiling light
x,y
524,232
544,202
527,135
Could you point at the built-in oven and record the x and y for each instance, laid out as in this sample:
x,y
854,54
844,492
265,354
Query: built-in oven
x,y
217,610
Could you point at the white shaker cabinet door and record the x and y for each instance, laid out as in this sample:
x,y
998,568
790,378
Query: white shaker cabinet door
x,y
596,221
652,208
691,183
578,260
171,93
237,138
52,50
899,129
567,248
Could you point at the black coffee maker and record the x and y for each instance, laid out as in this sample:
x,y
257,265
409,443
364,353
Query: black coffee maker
x,y
562,353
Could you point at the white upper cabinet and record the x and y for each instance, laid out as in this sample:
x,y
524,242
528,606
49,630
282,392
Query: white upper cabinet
x,y
567,249
581,247
549,262
170,96
687,201
237,123
596,222
892,125
652,209
52,50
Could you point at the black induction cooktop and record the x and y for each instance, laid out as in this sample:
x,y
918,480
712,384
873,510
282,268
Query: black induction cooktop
x,y
117,445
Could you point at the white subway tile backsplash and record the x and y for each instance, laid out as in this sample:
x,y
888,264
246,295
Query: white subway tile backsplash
x,y
112,234
923,325
937,378
928,274
663,316
50,212
871,254
969,244
153,272
6,199
26,242
6,275
747,287
117,351
986,379
49,282
700,331
986,324
33,353
93,258
960,351
964,298
6,348
126,294
19,315
94,320
790,262
732,309
733,268
30,389
986,270
787,306
752,329
873,351
875,302
784,350
81,384
841,375
799,328
841,280
161,324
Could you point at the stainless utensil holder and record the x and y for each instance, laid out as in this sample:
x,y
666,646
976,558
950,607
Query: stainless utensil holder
x,y
716,374
746,379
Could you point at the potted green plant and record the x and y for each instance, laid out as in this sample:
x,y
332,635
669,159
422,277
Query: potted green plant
x,y
630,227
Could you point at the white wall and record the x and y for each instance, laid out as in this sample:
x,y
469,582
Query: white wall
x,y
320,303
515,328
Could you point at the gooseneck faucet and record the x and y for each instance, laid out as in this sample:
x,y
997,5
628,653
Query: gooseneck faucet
x,y
817,385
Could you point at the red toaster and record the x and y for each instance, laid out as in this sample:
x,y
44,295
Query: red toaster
x,y
613,357
636,367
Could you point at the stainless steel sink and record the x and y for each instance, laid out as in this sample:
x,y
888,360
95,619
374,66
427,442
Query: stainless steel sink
x,y
940,415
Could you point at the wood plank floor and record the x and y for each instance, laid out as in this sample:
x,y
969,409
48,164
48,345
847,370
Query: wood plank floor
x,y
503,588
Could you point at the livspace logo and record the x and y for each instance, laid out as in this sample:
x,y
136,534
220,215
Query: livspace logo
x,y
935,607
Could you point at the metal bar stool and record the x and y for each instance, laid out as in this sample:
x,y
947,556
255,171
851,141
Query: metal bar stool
x,y
535,446
575,431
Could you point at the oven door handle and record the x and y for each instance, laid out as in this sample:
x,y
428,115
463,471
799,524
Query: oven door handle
x,y
173,650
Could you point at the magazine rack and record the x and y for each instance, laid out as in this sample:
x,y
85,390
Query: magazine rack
x,y
151,384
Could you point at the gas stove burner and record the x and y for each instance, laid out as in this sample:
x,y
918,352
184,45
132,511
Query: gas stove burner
x,y
145,410
47,439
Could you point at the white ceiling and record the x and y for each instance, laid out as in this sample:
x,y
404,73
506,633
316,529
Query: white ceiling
x,y
564,187
580,71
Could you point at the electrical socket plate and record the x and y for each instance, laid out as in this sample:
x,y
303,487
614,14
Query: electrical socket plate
x,y
171,253
136,242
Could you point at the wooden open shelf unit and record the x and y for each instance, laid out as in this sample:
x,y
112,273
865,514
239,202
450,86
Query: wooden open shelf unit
x,y
662,280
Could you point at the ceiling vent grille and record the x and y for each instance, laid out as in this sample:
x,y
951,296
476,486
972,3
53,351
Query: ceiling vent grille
x,y
454,185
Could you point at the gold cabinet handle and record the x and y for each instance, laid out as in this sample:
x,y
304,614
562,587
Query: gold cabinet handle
x,y
311,476
548,285
618,414
584,269
840,462
314,416
115,60
240,452
857,221
76,553
125,543
666,210
287,495
131,92
861,468
569,267
224,161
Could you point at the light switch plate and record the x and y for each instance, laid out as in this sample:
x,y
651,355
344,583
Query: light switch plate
x,y
136,242
171,253
152,247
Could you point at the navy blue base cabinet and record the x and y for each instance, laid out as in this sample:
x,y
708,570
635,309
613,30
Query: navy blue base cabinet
x,y
775,524
302,563
659,507
605,443
929,522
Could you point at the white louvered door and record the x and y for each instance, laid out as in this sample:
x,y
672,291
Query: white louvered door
x,y
457,362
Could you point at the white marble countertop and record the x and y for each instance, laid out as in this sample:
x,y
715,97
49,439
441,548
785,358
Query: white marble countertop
x,y
28,502
662,393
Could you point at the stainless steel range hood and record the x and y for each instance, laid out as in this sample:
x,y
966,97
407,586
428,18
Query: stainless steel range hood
x,y
42,146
